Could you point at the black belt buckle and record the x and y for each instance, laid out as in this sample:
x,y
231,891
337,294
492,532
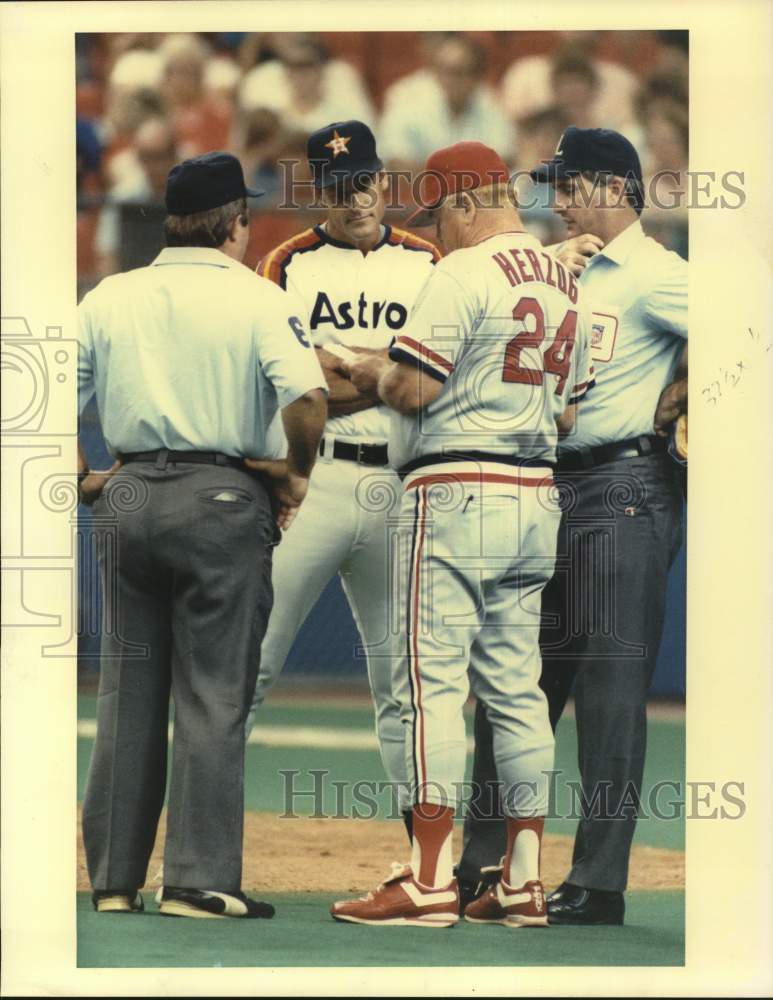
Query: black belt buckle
x,y
360,452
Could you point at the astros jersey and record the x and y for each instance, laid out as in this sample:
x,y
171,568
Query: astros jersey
x,y
354,299
637,291
503,326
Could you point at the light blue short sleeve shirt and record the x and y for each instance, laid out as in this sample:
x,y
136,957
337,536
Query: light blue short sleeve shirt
x,y
193,353
637,293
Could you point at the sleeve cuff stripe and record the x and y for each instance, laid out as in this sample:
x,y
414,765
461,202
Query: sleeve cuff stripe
x,y
399,353
437,360
583,385
581,391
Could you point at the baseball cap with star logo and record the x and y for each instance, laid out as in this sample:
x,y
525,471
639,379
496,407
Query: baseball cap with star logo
x,y
341,151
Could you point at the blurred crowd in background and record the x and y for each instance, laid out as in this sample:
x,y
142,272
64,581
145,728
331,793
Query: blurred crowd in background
x,y
146,101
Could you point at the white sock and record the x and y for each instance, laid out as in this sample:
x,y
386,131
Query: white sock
x,y
524,863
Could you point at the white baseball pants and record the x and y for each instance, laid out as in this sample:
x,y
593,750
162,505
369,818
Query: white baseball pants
x,y
342,527
477,546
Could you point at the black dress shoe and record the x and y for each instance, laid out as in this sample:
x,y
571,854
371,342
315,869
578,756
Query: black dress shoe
x,y
571,904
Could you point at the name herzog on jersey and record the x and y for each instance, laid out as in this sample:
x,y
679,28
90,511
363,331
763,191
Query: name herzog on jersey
x,y
504,327
353,299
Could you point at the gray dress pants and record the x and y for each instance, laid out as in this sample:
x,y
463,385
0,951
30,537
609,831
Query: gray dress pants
x,y
185,561
602,620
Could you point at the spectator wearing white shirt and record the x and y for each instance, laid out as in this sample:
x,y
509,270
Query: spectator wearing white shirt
x,y
574,85
133,96
665,175
154,156
526,85
305,87
443,104
201,120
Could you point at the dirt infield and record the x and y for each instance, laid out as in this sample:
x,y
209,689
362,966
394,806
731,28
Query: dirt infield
x,y
344,855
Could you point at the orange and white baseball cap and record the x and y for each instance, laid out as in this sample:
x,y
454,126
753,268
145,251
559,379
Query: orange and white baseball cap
x,y
461,167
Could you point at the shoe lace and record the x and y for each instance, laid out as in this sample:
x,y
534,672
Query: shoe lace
x,y
397,870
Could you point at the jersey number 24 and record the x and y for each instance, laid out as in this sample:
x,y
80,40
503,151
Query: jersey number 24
x,y
555,360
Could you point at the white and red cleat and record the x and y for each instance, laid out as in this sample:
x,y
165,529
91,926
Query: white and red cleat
x,y
503,904
402,901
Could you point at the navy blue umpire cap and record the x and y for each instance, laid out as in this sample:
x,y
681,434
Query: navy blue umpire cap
x,y
341,152
598,149
206,182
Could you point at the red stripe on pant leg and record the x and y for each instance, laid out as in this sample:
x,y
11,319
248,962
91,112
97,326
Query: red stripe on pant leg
x,y
419,732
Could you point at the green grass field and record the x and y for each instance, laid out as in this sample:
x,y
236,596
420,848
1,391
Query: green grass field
x,y
303,934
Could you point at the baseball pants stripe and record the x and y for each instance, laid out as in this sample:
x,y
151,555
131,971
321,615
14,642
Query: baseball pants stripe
x,y
412,639
473,566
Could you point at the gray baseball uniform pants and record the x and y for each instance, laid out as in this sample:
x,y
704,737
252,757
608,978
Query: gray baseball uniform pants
x,y
602,623
186,580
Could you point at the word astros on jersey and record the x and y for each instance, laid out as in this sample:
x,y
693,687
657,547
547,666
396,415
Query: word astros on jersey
x,y
354,299
362,313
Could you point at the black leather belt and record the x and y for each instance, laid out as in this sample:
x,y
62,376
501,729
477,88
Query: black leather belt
x,y
164,456
364,454
589,458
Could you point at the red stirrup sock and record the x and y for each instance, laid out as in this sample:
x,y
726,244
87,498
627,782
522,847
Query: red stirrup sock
x,y
432,857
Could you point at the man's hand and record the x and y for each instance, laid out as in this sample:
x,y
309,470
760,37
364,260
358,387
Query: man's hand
x,y
287,487
91,485
672,403
366,371
343,397
575,253
331,364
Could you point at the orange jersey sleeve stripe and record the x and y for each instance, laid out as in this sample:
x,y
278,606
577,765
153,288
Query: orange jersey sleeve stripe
x,y
275,260
413,242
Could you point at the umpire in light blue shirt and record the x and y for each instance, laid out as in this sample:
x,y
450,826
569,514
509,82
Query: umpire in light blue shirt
x,y
190,359
621,528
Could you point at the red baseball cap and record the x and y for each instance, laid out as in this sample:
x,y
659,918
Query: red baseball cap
x,y
461,167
